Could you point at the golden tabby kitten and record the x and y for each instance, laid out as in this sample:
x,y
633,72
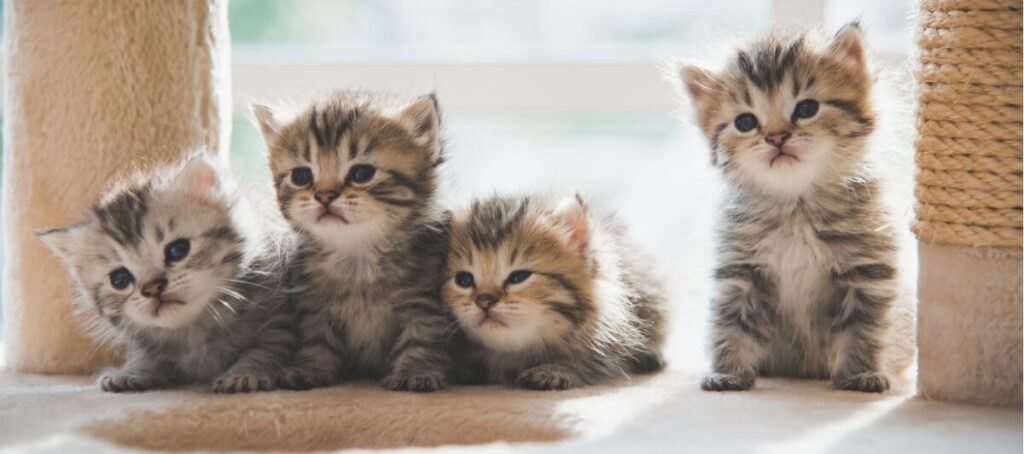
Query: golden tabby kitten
x,y
549,295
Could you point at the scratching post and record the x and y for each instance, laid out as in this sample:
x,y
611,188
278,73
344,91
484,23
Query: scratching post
x,y
969,201
94,89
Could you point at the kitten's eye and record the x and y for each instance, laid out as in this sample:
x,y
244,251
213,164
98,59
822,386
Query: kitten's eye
x,y
177,250
121,278
361,173
806,109
463,279
519,276
745,122
302,176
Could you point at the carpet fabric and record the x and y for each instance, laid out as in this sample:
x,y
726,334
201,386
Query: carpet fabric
x,y
662,413
93,90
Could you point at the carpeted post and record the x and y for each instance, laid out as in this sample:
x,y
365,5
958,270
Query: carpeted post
x,y
969,201
93,89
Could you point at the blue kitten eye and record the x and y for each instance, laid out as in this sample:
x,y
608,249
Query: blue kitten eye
x,y
302,176
361,173
806,109
177,250
463,279
745,122
121,278
519,276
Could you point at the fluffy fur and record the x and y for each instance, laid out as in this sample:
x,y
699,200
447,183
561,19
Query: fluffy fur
x,y
550,296
356,176
167,267
806,275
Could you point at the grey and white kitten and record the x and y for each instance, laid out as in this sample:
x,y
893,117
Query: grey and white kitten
x,y
356,176
550,296
174,267
806,275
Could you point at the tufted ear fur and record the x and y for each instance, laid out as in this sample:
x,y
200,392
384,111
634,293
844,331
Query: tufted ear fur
x,y
65,242
422,118
698,83
267,119
571,217
848,47
199,177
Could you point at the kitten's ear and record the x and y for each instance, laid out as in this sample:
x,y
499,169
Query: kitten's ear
x,y
422,118
268,121
199,177
698,83
571,217
64,242
848,46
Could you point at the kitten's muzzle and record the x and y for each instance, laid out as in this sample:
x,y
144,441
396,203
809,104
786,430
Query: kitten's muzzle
x,y
486,301
155,287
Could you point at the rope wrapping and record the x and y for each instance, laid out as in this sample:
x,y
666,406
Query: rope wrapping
x,y
969,158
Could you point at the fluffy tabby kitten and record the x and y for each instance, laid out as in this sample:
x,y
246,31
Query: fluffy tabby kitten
x,y
356,176
806,274
550,296
167,266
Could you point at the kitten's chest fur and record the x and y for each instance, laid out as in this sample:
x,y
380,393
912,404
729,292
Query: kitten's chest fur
x,y
800,264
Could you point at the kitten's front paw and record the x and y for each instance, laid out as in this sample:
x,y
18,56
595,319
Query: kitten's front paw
x,y
726,382
867,382
418,383
648,362
543,378
300,378
246,382
121,383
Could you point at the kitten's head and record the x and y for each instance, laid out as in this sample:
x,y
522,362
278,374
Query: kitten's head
x,y
354,167
155,252
520,271
786,114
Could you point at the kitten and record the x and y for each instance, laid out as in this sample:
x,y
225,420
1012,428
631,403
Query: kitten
x,y
806,276
356,176
550,296
167,266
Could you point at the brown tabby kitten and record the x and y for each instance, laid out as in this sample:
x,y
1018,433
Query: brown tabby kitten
x,y
356,176
806,275
550,296
182,272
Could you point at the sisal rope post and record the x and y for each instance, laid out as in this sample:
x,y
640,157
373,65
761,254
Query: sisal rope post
x,y
969,199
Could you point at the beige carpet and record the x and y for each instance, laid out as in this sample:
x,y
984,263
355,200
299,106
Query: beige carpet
x,y
664,413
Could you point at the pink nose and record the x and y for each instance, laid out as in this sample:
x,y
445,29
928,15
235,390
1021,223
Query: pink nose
x,y
777,138
326,197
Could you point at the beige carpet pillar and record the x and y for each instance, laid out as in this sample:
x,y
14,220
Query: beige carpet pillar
x,y
93,89
969,201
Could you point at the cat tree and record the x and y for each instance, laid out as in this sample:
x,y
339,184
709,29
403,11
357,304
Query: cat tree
x,y
93,89
969,201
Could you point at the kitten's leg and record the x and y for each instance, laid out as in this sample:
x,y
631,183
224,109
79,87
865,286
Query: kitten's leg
x,y
860,321
549,377
420,359
743,321
256,368
318,359
140,372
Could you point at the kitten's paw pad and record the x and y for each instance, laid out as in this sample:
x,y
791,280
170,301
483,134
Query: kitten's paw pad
x,y
726,382
543,378
417,383
243,383
301,379
868,382
122,383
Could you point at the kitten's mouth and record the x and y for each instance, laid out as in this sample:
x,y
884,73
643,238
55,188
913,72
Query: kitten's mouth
x,y
164,303
489,320
782,159
329,215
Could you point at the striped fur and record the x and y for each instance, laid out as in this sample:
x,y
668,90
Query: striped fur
x,y
365,279
806,276
586,313
218,321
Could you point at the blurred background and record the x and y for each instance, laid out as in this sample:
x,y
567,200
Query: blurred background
x,y
552,95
